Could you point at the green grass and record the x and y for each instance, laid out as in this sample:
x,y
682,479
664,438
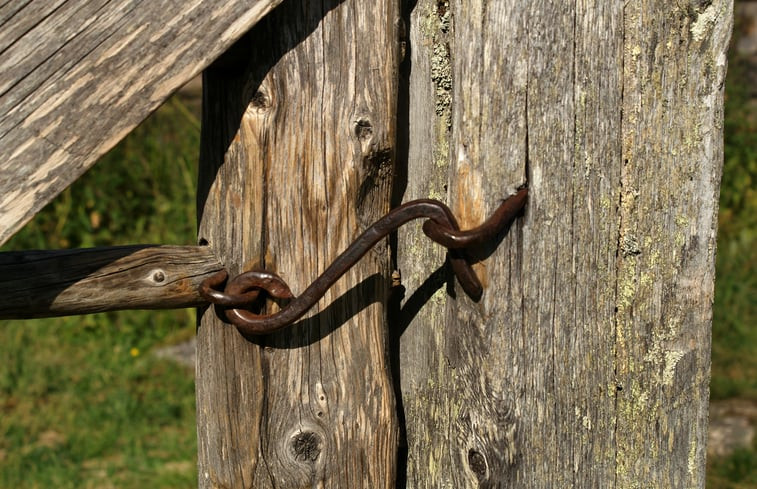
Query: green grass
x,y
734,352
83,402
737,471
85,405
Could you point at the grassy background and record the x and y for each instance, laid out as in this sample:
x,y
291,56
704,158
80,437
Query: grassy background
x,y
83,403
734,346
734,349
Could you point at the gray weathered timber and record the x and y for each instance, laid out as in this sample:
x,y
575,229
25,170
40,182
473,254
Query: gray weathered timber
x,y
77,75
297,158
586,363
674,63
83,281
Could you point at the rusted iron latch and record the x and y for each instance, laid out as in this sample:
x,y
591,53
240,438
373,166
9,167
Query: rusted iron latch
x,y
441,226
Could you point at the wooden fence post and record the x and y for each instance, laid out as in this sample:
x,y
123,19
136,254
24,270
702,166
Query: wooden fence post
x,y
586,364
297,158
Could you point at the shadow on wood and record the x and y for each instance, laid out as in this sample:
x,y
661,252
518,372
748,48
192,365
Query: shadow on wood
x,y
234,81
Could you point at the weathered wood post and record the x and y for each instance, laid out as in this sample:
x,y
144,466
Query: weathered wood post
x,y
586,364
297,158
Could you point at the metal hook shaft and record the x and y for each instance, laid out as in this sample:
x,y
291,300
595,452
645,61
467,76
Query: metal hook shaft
x,y
441,226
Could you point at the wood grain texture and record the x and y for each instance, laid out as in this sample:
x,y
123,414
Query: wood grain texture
x,y
674,64
77,75
586,363
83,281
297,159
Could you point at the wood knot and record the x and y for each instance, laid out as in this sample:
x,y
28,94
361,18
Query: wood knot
x,y
261,100
157,277
477,464
306,446
363,129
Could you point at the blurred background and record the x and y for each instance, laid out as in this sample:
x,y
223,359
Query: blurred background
x,y
732,452
107,400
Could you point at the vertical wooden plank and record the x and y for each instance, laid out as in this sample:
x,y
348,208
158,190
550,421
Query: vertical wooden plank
x,y
568,411
586,362
297,159
674,59
456,411
425,124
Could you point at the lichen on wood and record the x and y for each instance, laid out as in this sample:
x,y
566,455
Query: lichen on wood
x,y
593,333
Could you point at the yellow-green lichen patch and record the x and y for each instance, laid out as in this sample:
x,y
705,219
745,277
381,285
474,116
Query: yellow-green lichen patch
x,y
672,358
694,460
441,76
705,21
436,26
626,287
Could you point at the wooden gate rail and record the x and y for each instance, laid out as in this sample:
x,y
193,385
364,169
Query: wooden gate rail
x,y
83,281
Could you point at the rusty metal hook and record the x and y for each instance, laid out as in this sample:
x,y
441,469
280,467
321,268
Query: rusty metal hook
x,y
441,226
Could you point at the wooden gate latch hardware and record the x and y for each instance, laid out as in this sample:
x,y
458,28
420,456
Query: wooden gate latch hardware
x,y
441,226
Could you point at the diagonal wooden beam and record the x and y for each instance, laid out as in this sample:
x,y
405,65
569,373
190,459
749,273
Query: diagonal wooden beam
x,y
297,158
77,75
